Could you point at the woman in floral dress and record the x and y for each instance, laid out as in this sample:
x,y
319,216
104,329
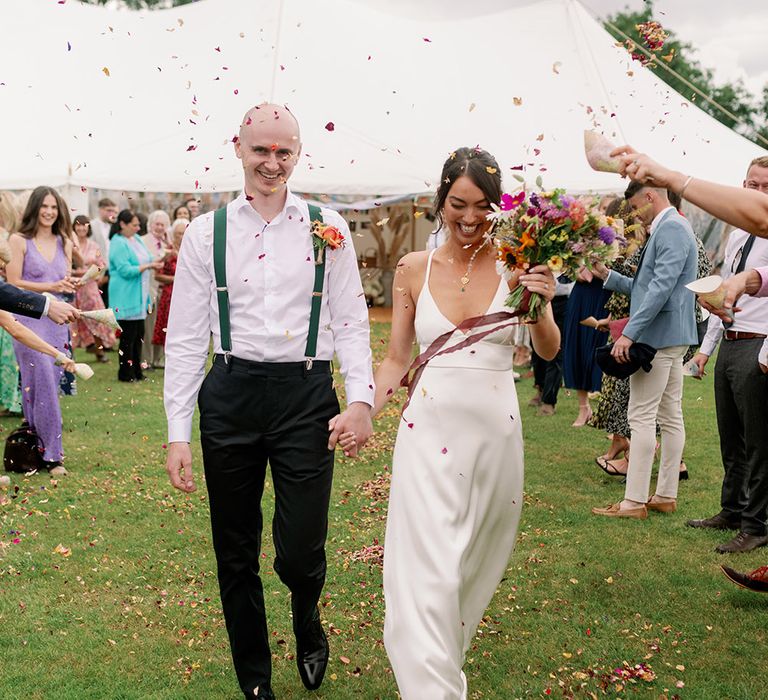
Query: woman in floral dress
x,y
87,333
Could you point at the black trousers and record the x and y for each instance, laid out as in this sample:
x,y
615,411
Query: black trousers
x,y
741,397
548,374
252,414
131,341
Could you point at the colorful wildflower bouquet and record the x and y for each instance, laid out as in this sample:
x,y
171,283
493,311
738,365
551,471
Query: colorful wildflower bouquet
x,y
552,228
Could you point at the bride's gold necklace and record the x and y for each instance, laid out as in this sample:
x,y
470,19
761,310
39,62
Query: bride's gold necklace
x,y
464,279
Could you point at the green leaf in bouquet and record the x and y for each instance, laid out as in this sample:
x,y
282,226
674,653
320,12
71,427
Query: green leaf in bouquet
x,y
539,183
519,178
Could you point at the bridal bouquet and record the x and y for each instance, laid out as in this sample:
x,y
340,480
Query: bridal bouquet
x,y
552,228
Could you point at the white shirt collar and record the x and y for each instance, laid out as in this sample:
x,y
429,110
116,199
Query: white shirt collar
x,y
657,219
292,201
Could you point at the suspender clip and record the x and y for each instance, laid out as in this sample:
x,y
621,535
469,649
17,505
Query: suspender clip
x,y
308,364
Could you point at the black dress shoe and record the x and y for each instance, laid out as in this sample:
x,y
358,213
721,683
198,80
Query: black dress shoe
x,y
716,522
743,542
756,581
263,692
312,655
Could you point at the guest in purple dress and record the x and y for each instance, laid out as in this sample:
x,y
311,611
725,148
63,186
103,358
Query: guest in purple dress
x,y
41,259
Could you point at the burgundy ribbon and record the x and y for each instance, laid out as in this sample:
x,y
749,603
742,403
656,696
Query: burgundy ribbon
x,y
436,348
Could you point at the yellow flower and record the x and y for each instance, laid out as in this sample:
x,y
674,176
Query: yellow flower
x,y
555,263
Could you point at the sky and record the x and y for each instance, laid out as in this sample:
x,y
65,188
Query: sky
x,y
730,37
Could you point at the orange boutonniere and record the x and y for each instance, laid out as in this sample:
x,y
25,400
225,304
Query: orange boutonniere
x,y
326,236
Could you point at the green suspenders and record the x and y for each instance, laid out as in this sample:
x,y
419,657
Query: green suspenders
x,y
222,295
220,272
317,293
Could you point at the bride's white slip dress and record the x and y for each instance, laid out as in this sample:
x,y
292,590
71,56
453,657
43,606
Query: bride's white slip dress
x,y
454,506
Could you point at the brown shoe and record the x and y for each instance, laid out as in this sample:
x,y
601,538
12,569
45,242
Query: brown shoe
x,y
743,542
614,511
716,522
662,506
756,581
535,402
546,409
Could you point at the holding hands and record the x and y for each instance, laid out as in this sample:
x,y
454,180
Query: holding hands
x,y
351,429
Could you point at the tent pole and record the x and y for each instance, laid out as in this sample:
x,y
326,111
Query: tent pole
x,y
276,62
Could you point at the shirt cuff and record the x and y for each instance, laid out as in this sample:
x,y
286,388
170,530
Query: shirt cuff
x,y
180,430
359,392
763,272
47,306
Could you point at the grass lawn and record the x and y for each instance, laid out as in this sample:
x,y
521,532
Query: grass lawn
x,y
127,606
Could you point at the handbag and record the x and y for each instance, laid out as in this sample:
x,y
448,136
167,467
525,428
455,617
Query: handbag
x,y
23,450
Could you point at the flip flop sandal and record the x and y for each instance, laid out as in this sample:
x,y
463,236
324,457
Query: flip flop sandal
x,y
608,467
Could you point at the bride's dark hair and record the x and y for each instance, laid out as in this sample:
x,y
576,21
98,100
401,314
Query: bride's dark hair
x,y
479,166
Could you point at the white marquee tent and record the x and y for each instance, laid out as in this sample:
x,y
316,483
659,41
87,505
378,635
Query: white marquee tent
x,y
384,90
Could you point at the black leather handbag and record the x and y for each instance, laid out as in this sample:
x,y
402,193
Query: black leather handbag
x,y
23,450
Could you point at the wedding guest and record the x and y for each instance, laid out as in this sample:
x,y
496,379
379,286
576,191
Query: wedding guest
x,y
95,337
102,224
10,394
611,412
158,242
41,258
130,264
193,207
548,374
181,212
614,398
662,316
580,371
165,277
745,208
269,395
457,476
741,395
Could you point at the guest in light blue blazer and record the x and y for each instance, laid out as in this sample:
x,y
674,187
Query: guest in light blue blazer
x,y
662,314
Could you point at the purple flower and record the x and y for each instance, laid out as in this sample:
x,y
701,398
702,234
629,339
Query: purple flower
x,y
607,235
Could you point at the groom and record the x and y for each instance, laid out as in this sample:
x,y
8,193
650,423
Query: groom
x,y
277,317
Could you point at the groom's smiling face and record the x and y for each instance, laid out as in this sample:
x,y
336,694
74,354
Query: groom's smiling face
x,y
269,147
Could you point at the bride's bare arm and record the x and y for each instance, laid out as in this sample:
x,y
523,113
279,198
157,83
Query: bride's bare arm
x,y
545,335
400,350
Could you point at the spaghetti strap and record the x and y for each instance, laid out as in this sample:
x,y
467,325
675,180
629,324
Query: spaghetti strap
x,y
426,274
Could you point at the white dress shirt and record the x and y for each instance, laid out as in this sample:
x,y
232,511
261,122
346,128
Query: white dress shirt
x,y
270,277
100,233
753,317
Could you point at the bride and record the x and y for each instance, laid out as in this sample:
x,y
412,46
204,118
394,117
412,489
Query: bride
x,y
457,475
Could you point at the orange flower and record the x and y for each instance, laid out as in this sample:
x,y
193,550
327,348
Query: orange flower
x,y
526,241
332,237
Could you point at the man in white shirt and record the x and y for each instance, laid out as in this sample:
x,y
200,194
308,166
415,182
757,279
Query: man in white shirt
x,y
741,394
101,225
268,400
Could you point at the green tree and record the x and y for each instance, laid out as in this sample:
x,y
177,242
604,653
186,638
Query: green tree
x,y
748,112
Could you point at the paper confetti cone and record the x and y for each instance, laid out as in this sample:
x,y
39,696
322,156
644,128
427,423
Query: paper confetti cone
x,y
83,370
91,273
105,316
709,289
597,149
